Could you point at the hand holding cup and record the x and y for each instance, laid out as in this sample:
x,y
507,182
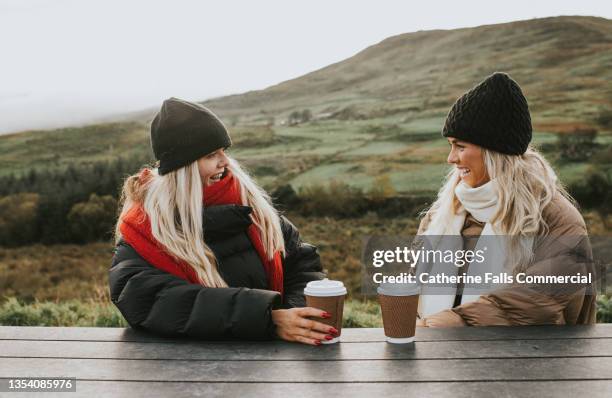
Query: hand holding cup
x,y
328,296
295,324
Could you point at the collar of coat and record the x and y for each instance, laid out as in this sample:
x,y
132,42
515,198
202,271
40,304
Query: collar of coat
x,y
226,219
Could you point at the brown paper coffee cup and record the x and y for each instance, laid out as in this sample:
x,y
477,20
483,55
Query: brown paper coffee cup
x,y
399,314
328,296
333,305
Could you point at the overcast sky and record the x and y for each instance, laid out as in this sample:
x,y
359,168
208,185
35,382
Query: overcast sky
x,y
68,61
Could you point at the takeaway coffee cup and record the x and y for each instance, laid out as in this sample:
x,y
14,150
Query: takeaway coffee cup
x,y
399,302
328,296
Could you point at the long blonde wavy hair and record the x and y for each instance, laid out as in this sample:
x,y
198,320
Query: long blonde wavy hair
x,y
526,185
174,204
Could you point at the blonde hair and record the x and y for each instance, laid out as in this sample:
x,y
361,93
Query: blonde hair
x,y
526,185
174,204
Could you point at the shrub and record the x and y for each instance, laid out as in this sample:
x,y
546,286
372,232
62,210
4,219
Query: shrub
x,y
70,313
340,200
297,117
337,199
594,191
18,215
382,188
605,118
254,136
285,197
604,309
578,145
89,221
351,112
357,314
362,314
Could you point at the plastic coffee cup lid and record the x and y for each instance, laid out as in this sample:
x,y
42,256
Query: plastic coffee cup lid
x,y
398,289
325,288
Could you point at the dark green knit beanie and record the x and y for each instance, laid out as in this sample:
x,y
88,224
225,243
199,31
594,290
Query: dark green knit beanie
x,y
493,115
182,132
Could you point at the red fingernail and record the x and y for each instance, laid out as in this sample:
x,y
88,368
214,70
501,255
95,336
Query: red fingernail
x,y
326,315
333,330
317,342
328,337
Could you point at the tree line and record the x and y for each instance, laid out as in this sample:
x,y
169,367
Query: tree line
x,y
79,204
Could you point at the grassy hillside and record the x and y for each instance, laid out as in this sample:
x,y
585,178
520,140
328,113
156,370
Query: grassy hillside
x,y
59,148
379,112
358,152
564,65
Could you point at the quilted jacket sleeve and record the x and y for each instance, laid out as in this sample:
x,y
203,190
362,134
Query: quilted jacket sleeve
x,y
162,303
538,303
301,265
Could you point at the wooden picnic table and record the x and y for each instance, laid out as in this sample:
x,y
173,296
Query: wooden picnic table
x,y
539,361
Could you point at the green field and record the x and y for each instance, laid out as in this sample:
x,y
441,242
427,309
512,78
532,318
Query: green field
x,y
310,154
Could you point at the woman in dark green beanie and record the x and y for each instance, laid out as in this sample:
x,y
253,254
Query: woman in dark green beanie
x,y
201,251
501,186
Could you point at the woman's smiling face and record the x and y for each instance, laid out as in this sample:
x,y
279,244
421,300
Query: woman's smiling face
x,y
468,159
212,166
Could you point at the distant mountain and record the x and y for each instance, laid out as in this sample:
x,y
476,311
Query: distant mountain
x,y
564,65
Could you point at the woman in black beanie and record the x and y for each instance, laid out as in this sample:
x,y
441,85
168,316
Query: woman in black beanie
x,y
201,251
500,186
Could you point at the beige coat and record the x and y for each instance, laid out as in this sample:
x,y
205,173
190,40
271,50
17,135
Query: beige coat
x,y
564,250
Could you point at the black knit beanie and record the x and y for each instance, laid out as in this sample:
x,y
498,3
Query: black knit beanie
x,y
183,132
493,115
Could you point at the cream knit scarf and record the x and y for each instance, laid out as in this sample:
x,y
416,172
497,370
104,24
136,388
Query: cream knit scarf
x,y
482,203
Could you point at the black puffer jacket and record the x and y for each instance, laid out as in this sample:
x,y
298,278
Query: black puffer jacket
x,y
160,302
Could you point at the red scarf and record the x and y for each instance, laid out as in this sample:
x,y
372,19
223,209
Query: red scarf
x,y
136,231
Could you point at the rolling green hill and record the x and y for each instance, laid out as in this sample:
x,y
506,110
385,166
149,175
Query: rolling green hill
x,y
564,65
378,113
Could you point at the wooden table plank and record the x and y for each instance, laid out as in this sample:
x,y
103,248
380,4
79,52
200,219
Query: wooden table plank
x,y
537,361
597,368
278,350
348,335
76,334
524,389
